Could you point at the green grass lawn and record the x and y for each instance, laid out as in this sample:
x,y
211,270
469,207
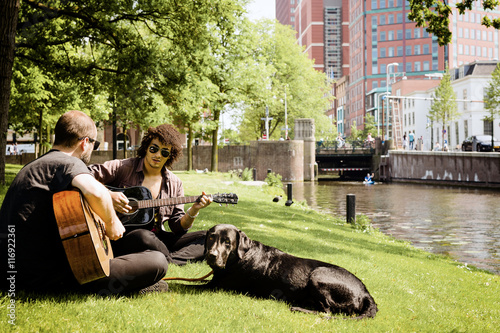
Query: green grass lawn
x,y
415,291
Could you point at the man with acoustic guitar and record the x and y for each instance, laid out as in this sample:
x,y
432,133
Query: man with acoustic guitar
x,y
160,147
29,230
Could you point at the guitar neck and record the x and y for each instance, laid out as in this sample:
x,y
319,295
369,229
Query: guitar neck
x,y
163,202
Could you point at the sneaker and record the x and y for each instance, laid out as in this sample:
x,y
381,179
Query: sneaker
x,y
159,287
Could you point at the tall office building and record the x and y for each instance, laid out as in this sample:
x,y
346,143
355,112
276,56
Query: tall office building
x,y
322,28
379,42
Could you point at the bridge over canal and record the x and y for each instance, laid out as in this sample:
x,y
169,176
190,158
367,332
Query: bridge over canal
x,y
351,161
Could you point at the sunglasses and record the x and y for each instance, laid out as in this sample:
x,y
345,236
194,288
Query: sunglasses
x,y
153,149
96,143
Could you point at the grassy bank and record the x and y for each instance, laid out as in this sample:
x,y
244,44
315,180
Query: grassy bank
x,y
414,290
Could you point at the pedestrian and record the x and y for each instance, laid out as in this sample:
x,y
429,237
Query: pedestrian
x,y
411,138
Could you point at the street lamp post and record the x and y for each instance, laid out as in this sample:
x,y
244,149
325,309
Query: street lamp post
x,y
387,92
286,119
380,106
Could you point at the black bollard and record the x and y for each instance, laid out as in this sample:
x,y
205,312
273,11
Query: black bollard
x,y
351,208
289,192
254,174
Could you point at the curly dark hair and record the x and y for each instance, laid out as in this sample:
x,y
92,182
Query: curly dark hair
x,y
168,135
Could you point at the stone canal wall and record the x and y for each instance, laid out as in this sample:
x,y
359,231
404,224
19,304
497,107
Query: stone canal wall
x,y
448,168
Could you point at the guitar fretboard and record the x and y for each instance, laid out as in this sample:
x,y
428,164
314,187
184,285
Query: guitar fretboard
x,y
163,202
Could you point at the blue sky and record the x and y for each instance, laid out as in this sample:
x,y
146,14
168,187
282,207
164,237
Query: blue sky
x,y
262,9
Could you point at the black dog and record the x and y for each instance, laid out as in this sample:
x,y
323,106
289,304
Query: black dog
x,y
247,266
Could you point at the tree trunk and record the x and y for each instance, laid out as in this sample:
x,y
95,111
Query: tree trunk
x,y
9,11
190,148
38,147
214,165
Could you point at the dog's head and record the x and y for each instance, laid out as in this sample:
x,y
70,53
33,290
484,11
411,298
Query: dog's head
x,y
224,245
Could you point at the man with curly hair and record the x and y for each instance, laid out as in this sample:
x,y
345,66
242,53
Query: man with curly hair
x,y
160,147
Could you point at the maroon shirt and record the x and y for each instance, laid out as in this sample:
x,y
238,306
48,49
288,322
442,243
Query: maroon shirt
x,y
129,172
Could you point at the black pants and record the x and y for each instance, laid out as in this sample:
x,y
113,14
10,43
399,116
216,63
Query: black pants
x,y
176,249
131,268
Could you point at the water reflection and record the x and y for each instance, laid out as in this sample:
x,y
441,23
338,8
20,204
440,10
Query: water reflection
x,y
461,222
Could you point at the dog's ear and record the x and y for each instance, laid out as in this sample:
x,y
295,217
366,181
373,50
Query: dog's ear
x,y
244,244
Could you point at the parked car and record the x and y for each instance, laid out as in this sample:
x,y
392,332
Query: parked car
x,y
481,142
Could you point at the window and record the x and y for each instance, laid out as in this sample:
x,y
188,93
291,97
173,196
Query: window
x,y
400,34
408,33
391,35
417,50
374,4
400,51
466,128
391,52
292,10
390,19
382,52
488,127
399,18
426,66
382,36
460,32
466,33
408,50
408,67
382,20
417,33
417,66
383,68
426,48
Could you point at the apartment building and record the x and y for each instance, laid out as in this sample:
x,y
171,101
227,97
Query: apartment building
x,y
380,46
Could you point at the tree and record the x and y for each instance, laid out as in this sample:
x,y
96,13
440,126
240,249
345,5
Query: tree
x,y
281,64
435,16
106,56
492,99
9,10
444,105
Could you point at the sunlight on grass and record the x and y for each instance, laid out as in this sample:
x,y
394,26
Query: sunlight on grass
x,y
414,290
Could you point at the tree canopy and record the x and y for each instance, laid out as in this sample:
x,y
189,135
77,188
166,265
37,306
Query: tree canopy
x,y
434,15
152,62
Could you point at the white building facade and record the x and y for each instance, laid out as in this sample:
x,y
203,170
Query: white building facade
x,y
469,82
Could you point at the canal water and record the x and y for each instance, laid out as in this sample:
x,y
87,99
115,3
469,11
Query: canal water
x,y
463,223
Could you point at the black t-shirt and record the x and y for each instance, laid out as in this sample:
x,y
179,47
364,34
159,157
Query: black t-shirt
x,y
27,213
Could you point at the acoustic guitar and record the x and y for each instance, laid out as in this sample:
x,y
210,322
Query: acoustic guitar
x,y
83,236
143,205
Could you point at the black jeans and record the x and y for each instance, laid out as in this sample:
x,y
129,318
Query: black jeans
x,y
133,267
177,249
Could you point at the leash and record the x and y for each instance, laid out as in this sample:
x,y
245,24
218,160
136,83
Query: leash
x,y
187,279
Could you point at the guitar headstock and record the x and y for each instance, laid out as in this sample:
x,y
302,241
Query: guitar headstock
x,y
226,198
